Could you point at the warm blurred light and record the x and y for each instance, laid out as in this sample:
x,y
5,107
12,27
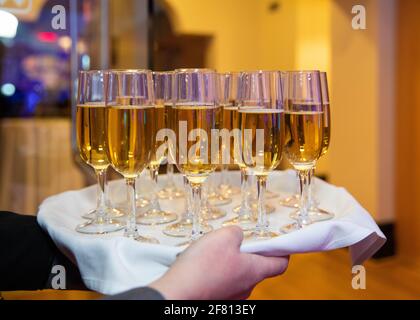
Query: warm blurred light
x,y
85,62
47,36
8,89
8,25
81,47
65,43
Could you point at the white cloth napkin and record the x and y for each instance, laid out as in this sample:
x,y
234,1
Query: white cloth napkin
x,y
111,263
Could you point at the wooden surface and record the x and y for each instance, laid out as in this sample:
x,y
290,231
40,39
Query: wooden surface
x,y
36,162
311,276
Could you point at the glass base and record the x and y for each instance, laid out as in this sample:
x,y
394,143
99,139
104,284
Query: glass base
x,y
246,223
258,235
270,194
268,208
316,215
153,217
212,213
183,229
295,226
292,227
170,193
142,202
96,227
290,202
229,189
111,213
219,200
143,239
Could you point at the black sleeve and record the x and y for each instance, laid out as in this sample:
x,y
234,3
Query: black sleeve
x,y
144,293
27,255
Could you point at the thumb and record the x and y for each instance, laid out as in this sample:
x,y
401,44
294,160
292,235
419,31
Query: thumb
x,y
231,236
267,267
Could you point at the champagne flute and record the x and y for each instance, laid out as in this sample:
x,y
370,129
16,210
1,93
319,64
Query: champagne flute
x,y
155,215
245,217
91,140
163,92
195,113
228,98
316,213
304,116
130,119
261,121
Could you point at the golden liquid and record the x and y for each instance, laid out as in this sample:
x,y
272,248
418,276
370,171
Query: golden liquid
x,y
327,129
160,123
91,135
230,118
130,138
231,122
191,160
261,158
304,138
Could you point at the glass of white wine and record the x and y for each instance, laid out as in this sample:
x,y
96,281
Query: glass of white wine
x,y
261,120
163,95
304,116
195,113
220,194
315,212
155,214
130,120
91,140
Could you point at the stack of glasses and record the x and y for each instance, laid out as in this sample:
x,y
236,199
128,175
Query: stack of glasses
x,y
201,120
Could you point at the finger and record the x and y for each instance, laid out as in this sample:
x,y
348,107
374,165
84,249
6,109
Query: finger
x,y
232,235
267,267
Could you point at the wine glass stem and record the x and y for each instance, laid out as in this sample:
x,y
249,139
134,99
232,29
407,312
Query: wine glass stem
x,y
304,183
196,189
131,228
170,175
154,174
188,199
244,194
101,205
107,198
224,176
311,200
262,217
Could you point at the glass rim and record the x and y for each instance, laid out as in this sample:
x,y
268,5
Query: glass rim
x,y
94,71
226,73
261,71
129,71
163,72
302,71
194,70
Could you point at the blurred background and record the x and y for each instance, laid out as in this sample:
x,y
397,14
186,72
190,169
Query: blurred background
x,y
374,78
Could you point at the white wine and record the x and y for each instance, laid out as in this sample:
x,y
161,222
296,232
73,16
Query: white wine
x,y
91,135
261,157
160,123
193,161
327,129
130,138
304,138
231,122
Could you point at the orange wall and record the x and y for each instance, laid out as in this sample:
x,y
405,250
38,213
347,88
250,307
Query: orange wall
x,y
317,34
